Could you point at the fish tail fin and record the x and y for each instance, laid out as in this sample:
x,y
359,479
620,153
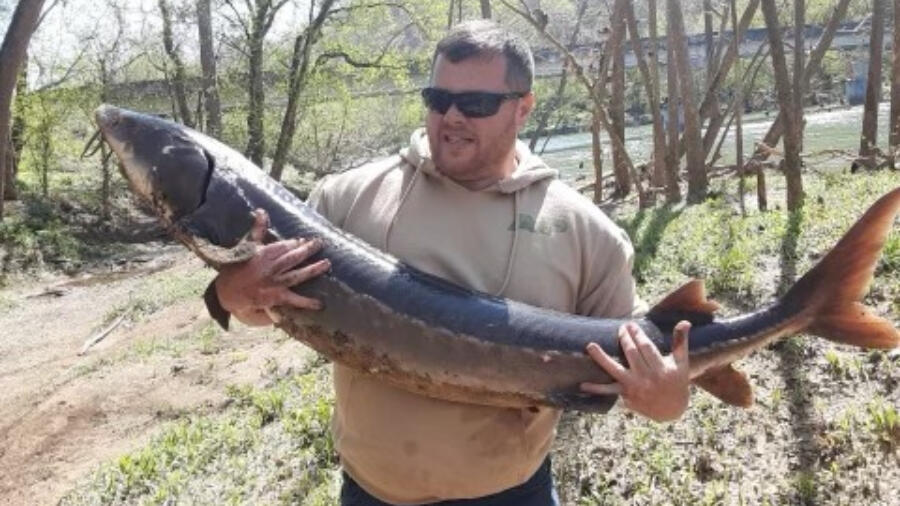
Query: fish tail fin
x,y
831,292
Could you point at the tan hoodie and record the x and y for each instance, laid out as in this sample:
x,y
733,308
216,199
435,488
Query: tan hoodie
x,y
528,237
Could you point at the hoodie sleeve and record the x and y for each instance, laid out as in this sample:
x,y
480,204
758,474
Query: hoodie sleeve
x,y
608,287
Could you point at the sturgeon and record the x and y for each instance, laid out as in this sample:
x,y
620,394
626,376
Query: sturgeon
x,y
421,333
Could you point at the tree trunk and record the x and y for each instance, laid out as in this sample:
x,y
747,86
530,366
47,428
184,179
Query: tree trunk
x,y
597,152
708,39
12,54
296,83
617,116
709,42
709,109
486,9
773,135
868,141
256,143
673,191
17,134
555,102
738,111
105,86
178,79
786,103
208,64
799,49
895,88
659,135
696,167
722,69
261,21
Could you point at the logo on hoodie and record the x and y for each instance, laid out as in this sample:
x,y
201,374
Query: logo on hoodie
x,y
541,225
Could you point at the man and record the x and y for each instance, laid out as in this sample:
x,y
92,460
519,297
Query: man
x,y
466,202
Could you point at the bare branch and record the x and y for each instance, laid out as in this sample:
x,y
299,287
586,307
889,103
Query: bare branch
x,y
66,75
238,20
44,14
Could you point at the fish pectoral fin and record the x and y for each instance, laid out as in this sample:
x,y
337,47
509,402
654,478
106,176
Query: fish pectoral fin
x,y
688,302
728,384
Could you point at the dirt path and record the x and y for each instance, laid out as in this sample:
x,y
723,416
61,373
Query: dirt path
x,y
62,414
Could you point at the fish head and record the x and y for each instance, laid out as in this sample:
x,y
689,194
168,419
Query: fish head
x,y
161,160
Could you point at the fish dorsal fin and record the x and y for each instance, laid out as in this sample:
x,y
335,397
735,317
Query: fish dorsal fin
x,y
728,384
688,302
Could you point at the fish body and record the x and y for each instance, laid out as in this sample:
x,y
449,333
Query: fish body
x,y
427,335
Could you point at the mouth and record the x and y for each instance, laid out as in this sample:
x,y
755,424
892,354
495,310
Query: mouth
x,y
456,139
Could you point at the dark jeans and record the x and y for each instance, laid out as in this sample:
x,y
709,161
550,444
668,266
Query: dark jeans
x,y
537,491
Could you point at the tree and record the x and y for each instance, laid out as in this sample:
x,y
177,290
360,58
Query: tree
x,y
12,54
300,64
261,16
895,89
786,103
178,79
548,107
799,50
208,65
868,141
486,9
617,113
696,159
650,78
738,110
596,88
673,108
773,135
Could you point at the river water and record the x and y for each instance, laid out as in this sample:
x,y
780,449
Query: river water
x,y
826,129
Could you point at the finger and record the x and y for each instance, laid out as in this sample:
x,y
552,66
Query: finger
x,y
296,276
629,349
296,256
260,225
680,343
289,298
602,388
649,352
270,252
607,363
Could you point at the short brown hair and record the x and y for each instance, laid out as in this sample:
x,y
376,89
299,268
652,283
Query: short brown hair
x,y
482,37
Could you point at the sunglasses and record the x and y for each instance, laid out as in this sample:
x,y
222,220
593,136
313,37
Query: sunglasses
x,y
472,104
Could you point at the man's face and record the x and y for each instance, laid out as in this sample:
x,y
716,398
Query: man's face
x,y
475,152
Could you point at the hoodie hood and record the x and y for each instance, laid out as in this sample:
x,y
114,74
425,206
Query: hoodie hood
x,y
529,169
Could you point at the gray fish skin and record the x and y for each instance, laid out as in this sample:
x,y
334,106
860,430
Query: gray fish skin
x,y
415,330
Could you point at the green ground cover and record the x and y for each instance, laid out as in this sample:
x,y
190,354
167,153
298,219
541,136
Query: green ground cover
x,y
824,428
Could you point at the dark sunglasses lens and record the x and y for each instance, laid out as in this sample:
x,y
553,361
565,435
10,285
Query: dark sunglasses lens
x,y
478,105
437,100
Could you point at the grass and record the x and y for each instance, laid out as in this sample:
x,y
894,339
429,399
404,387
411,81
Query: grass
x,y
159,291
272,446
823,430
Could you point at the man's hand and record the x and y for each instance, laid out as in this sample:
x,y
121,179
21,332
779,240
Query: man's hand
x,y
247,289
653,385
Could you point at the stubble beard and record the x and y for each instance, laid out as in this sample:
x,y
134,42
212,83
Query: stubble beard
x,y
487,160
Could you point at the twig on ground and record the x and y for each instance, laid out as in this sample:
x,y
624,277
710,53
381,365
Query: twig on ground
x,y
99,337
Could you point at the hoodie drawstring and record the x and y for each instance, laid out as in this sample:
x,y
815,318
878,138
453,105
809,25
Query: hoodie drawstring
x,y
406,192
512,249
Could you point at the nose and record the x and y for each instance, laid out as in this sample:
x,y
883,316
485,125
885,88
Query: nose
x,y
453,115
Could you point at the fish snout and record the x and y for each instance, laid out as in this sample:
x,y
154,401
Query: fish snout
x,y
107,115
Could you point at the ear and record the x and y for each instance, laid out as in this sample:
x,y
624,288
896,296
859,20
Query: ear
x,y
523,109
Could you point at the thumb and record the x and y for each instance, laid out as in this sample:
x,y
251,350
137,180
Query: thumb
x,y
260,225
680,342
